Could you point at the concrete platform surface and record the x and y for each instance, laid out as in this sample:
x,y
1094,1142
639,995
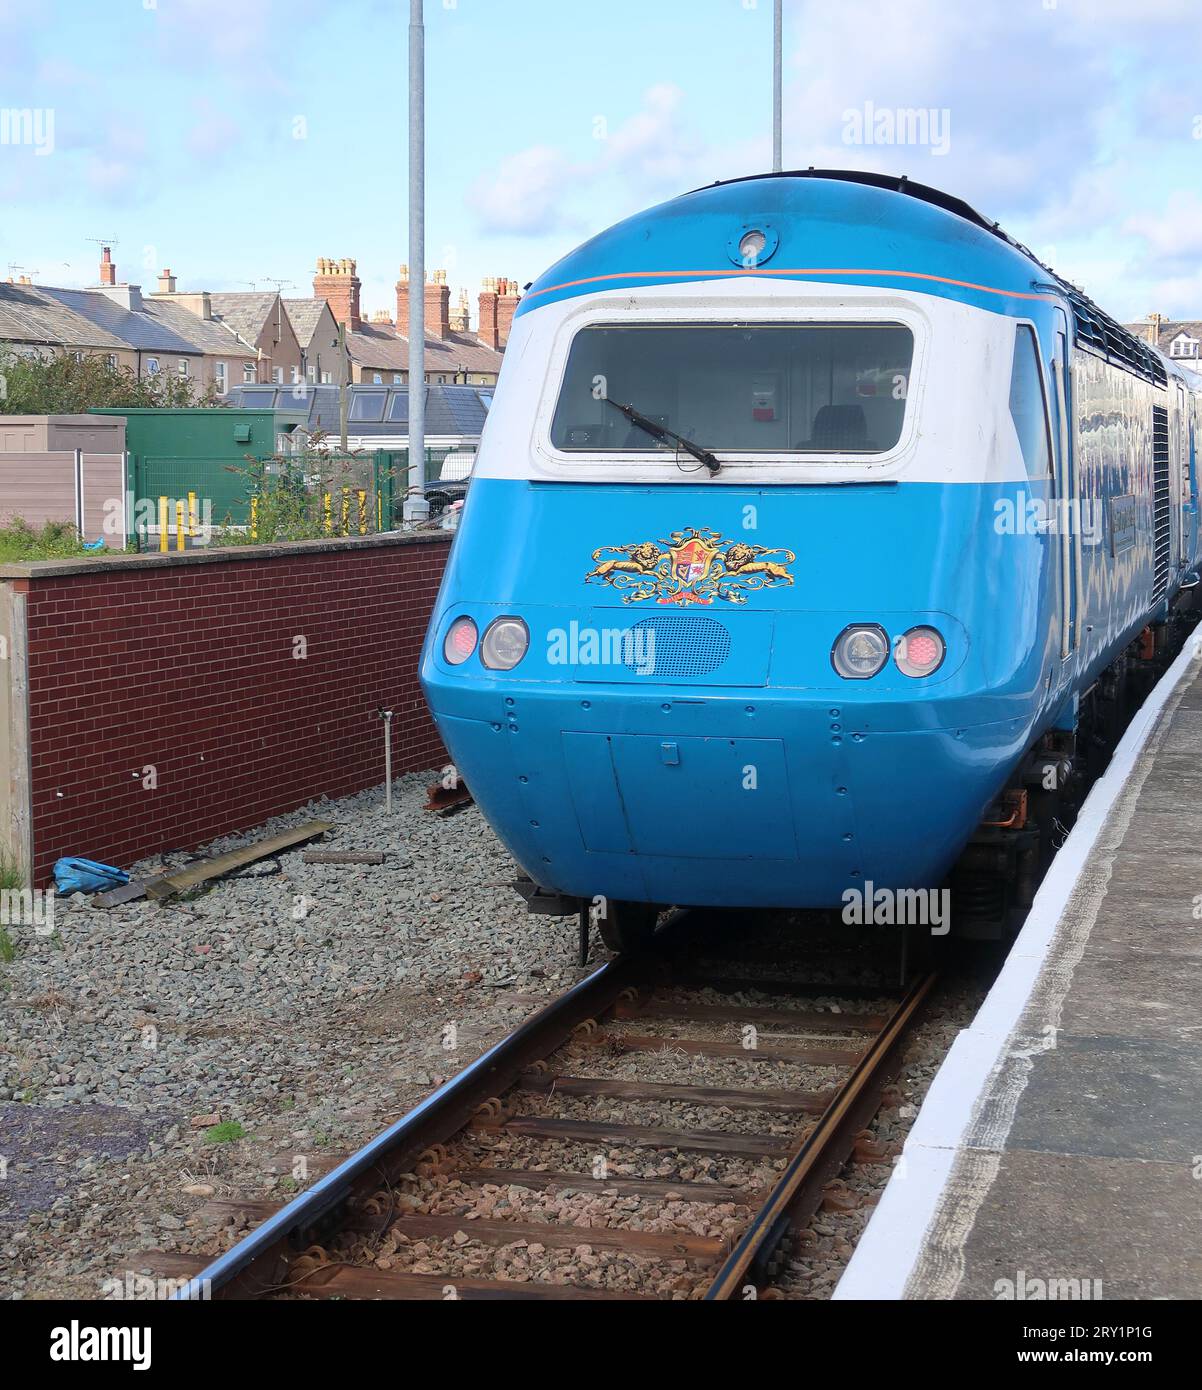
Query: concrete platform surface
x,y
1059,1153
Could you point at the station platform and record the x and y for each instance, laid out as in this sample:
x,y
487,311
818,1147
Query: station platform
x,y
1058,1154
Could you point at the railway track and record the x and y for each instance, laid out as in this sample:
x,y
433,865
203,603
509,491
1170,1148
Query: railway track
x,y
736,1103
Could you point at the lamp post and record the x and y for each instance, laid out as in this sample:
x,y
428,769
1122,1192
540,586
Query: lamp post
x,y
778,24
416,507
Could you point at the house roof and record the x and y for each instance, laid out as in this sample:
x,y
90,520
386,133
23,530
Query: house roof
x,y
245,312
31,314
378,348
304,315
136,328
213,336
90,319
1168,331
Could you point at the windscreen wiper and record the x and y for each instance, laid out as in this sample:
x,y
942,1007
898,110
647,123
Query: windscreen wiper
x,y
667,436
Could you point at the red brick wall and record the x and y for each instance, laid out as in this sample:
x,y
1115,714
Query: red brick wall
x,y
189,667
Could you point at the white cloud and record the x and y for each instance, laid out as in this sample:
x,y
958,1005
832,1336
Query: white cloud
x,y
525,195
654,148
1174,230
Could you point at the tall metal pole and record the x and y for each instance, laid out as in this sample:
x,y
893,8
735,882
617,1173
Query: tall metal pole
x,y
778,25
416,507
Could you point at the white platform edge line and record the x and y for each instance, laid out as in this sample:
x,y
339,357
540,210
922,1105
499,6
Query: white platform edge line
x,y
889,1248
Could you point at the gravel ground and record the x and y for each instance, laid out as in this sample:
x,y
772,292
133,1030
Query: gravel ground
x,y
823,1251
309,1006
304,1007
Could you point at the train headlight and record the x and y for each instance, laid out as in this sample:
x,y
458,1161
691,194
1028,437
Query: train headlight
x,y
860,651
919,652
460,641
505,643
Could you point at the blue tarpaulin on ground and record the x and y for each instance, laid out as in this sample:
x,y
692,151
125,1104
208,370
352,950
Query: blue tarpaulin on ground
x,y
86,876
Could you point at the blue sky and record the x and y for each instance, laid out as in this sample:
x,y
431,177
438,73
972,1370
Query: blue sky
x,y
237,140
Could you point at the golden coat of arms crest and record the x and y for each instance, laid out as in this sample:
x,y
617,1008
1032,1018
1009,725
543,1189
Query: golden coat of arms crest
x,y
694,565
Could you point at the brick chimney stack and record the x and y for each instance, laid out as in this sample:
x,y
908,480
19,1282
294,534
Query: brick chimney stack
x,y
1154,322
506,308
438,306
108,271
166,283
402,303
487,332
337,283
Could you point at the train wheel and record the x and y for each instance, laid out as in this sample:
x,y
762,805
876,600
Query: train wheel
x,y
627,928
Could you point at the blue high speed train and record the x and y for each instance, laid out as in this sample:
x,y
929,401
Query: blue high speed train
x,y
812,513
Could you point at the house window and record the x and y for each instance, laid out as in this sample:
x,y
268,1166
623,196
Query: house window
x,y
183,366
77,357
295,375
221,376
311,374
111,359
377,379
327,378
248,372
396,378
152,366
1184,347
277,375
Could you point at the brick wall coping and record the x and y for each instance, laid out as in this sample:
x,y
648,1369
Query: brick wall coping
x,y
56,569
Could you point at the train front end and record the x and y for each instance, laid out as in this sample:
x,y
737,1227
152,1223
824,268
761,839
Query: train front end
x,y
729,619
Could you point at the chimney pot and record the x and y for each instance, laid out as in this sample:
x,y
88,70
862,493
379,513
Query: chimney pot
x,y
487,331
507,303
438,306
337,283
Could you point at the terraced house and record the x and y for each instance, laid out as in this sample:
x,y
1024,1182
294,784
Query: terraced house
x,y
316,332
150,334
1180,339
378,347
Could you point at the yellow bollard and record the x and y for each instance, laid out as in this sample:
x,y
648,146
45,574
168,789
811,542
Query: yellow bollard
x,y
346,508
254,518
193,519
362,496
163,525
379,512
327,513
181,534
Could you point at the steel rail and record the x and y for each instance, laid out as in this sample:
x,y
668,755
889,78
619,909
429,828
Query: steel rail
x,y
443,1113
823,1151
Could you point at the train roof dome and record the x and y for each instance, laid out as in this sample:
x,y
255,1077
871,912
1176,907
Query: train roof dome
x,y
835,224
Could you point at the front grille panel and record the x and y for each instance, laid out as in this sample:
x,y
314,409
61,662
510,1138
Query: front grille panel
x,y
676,644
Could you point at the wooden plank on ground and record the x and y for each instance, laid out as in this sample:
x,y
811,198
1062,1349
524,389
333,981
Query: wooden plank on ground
x,y
220,864
400,1287
804,1020
639,1136
219,1212
765,1050
651,1189
667,1245
125,892
724,1097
